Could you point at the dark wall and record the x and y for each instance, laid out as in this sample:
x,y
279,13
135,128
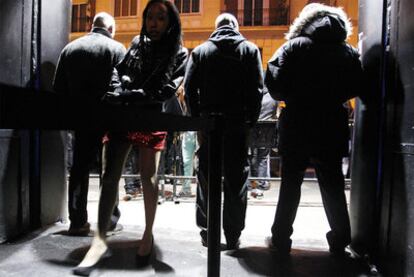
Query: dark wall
x,y
32,164
382,196
55,23
399,165
14,184
55,31
15,69
16,22
364,207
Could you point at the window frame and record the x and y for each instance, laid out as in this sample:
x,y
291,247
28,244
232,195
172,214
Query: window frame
x,y
200,5
253,13
78,18
274,20
129,9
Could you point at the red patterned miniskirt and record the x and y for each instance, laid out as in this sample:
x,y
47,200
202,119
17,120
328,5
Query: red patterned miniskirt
x,y
153,140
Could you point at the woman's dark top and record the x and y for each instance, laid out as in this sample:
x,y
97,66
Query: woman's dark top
x,y
152,70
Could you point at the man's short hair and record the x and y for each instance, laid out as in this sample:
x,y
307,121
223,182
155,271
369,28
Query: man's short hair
x,y
227,19
103,20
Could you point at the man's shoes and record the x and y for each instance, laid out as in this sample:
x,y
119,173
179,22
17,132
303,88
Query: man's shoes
x,y
203,234
256,193
233,245
337,245
131,193
337,253
280,253
82,231
114,230
264,186
185,193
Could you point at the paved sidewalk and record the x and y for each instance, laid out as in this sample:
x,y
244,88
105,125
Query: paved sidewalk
x,y
177,244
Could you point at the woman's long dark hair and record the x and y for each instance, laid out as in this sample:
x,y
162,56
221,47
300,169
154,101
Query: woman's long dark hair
x,y
172,37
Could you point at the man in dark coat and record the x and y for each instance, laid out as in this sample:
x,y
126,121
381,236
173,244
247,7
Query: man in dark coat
x,y
224,76
314,72
84,70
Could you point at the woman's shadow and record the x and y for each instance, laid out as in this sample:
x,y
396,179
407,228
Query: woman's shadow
x,y
122,257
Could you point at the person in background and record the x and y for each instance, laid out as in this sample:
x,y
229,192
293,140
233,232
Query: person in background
x,y
84,70
259,156
189,146
150,73
224,76
132,185
188,149
171,156
315,65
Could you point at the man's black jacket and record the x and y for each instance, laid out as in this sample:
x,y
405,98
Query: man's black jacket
x,y
315,72
85,65
224,75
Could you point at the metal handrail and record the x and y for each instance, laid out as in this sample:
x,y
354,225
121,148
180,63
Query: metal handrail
x,y
182,177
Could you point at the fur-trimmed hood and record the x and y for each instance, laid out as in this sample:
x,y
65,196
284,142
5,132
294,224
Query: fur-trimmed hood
x,y
321,22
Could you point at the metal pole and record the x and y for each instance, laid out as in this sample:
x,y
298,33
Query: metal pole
x,y
214,196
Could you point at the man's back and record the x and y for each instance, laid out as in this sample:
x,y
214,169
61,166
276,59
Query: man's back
x,y
224,75
315,72
86,64
323,73
228,75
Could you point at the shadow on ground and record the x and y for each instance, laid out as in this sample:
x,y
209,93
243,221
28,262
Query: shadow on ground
x,y
261,261
122,257
177,253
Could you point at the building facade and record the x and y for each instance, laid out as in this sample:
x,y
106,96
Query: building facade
x,y
263,22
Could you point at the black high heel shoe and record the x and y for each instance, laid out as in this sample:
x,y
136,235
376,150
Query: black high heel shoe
x,y
142,261
87,270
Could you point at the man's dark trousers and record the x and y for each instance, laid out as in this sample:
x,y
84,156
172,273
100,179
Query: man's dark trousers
x,y
88,145
331,183
235,173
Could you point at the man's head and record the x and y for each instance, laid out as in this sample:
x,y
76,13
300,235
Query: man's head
x,y
105,21
227,19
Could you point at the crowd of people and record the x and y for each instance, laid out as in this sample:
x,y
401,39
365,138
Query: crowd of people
x,y
223,75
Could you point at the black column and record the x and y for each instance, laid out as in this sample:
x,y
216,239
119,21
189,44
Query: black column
x,y
397,228
214,196
15,69
55,29
368,131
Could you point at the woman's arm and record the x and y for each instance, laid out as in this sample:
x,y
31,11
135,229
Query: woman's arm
x,y
170,80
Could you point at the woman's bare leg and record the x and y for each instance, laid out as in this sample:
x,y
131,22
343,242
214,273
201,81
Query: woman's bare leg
x,y
113,159
148,161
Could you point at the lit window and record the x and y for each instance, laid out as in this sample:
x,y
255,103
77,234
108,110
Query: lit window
x,y
125,8
232,6
81,18
187,6
253,12
278,12
326,2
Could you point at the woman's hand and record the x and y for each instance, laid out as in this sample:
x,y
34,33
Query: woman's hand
x,y
120,96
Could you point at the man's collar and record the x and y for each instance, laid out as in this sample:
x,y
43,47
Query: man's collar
x,y
101,31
